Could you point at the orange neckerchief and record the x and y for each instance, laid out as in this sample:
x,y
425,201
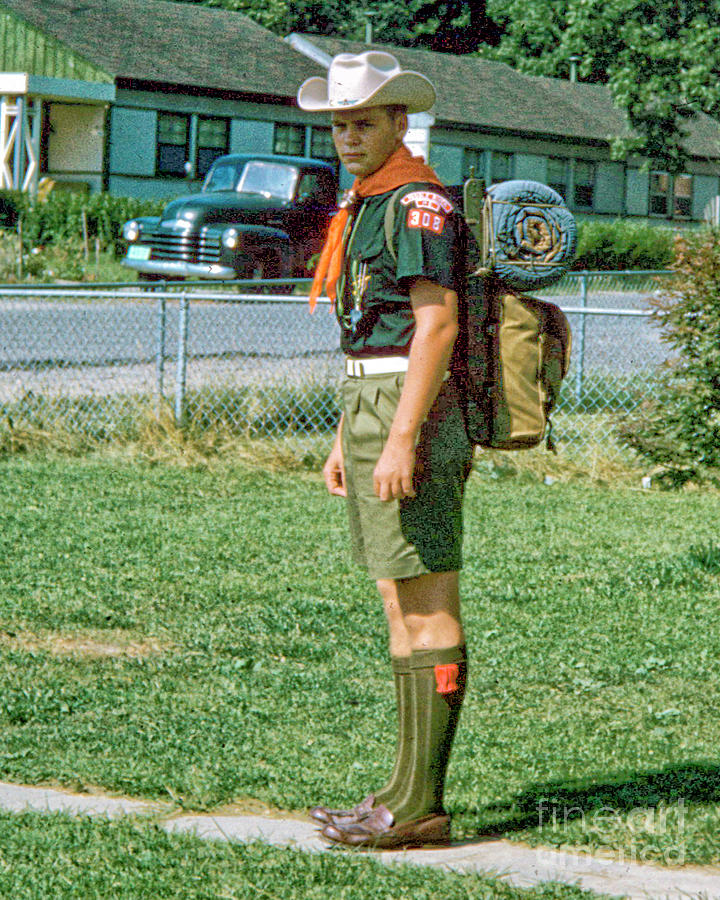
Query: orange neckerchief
x,y
401,167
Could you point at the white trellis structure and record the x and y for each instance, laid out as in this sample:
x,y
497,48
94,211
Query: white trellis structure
x,y
20,125
74,111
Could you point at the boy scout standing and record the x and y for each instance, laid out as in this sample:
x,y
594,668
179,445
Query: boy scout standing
x,y
401,455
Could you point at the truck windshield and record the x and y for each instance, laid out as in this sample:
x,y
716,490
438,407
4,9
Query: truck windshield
x,y
269,179
222,177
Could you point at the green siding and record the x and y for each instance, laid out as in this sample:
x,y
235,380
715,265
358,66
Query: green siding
x,y
529,167
447,162
705,187
249,136
609,188
26,49
636,197
132,141
151,188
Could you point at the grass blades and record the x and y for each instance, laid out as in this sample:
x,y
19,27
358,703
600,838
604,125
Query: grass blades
x,y
198,634
85,858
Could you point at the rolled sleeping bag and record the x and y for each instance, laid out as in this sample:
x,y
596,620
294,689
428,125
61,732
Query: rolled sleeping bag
x,y
530,235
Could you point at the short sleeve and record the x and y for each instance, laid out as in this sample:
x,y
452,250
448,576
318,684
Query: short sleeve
x,y
427,237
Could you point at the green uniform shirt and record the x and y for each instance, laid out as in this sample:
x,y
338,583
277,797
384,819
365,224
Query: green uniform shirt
x,y
374,309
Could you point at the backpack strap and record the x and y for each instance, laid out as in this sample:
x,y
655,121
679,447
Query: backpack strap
x,y
390,222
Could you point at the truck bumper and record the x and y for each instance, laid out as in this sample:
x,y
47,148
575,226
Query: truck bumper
x,y
178,269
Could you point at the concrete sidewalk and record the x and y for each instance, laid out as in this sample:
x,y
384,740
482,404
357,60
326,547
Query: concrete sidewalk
x,y
515,863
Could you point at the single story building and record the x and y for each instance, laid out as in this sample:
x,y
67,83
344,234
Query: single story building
x,y
505,124
137,97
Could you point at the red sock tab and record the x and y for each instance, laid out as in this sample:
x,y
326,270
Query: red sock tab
x,y
446,677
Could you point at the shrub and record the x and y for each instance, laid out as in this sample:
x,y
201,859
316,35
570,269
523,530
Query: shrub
x,y
623,245
678,426
60,216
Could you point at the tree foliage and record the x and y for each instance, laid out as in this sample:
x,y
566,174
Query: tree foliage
x,y
453,27
660,59
678,426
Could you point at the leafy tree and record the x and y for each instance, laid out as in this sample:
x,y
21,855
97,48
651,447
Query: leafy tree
x,y
453,27
660,59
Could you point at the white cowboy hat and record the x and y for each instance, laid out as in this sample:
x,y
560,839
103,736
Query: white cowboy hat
x,y
368,79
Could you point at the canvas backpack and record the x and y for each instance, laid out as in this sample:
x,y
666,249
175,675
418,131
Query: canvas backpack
x,y
513,350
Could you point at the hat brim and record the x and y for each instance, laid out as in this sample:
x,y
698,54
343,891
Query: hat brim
x,y
409,89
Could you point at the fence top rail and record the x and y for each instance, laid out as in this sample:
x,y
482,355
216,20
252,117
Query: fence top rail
x,y
151,287
267,298
156,287
603,311
146,296
611,273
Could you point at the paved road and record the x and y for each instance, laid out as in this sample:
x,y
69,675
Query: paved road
x,y
614,343
61,333
103,332
110,347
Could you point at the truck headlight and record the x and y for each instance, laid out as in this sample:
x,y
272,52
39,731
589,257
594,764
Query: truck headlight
x,y
231,238
131,231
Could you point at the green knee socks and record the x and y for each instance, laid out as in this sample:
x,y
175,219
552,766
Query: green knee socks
x,y
429,701
403,696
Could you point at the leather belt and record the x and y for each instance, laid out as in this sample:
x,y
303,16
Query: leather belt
x,y
378,365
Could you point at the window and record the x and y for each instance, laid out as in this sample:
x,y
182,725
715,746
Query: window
x,y
317,187
500,166
212,141
269,179
473,160
671,196
557,175
224,177
289,139
321,144
659,193
173,144
584,188
682,196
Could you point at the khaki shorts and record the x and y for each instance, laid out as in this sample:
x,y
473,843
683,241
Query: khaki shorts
x,y
413,536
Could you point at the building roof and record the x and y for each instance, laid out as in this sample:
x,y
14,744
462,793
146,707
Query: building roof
x,y
487,94
172,43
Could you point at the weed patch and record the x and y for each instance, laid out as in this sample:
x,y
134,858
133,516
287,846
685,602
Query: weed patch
x,y
93,645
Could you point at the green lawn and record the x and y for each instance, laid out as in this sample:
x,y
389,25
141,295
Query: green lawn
x,y
129,860
200,636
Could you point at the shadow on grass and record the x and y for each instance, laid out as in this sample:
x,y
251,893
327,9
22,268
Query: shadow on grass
x,y
569,800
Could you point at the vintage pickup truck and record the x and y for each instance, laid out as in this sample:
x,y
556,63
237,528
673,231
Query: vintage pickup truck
x,y
256,217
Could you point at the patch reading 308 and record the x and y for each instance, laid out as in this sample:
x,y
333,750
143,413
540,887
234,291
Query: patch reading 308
x,y
428,206
417,218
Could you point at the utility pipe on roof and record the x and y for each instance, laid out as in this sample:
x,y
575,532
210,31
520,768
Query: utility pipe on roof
x,y
368,25
307,48
574,60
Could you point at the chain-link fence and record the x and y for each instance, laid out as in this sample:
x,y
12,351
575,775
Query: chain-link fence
x,y
99,361
616,352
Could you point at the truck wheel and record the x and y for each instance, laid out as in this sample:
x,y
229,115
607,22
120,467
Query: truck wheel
x,y
270,267
149,276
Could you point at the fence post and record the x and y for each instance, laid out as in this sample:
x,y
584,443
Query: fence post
x,y
581,342
181,361
160,354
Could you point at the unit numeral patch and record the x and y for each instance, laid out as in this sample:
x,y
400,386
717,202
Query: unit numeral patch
x,y
418,218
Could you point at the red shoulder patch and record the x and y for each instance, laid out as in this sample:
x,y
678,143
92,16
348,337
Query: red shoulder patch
x,y
419,218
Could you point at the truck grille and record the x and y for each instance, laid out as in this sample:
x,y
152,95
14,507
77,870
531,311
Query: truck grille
x,y
181,245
